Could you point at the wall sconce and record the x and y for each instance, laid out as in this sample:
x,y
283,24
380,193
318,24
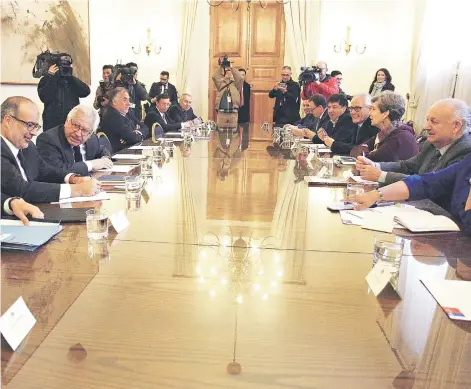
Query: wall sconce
x,y
347,45
150,45
263,4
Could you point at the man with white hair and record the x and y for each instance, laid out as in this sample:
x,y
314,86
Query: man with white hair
x,y
182,112
448,141
74,147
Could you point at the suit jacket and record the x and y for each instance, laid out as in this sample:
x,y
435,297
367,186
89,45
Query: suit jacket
x,y
244,111
423,162
122,128
286,108
154,116
171,91
177,114
359,135
44,180
399,144
53,147
308,121
234,87
4,198
341,131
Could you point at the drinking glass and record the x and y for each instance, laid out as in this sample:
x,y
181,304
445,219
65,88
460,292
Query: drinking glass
x,y
169,147
157,154
133,185
97,224
99,250
388,249
328,167
146,167
355,188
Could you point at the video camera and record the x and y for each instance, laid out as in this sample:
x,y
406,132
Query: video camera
x,y
46,59
309,74
224,61
127,75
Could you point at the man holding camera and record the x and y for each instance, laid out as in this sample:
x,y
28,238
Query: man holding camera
x,y
101,95
325,85
287,103
60,91
136,89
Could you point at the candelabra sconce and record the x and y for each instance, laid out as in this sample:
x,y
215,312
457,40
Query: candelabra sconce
x,y
347,45
149,45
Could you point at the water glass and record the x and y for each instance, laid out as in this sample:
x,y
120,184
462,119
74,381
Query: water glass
x,y
157,153
355,188
146,167
133,185
388,249
99,250
328,167
97,224
169,147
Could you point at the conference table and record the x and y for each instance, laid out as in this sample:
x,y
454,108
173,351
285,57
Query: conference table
x,y
233,274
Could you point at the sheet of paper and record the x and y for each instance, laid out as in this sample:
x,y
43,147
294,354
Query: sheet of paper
x,y
378,222
142,147
324,151
4,237
99,196
351,219
128,156
172,139
16,323
361,180
118,169
378,277
119,221
8,222
453,296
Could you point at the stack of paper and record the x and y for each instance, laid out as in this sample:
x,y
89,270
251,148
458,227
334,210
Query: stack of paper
x,y
318,181
27,238
129,156
119,169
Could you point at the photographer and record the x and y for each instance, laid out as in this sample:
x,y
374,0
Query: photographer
x,y
101,95
287,103
228,83
325,85
60,91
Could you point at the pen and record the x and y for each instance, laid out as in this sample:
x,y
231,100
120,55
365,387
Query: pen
x,y
363,154
383,204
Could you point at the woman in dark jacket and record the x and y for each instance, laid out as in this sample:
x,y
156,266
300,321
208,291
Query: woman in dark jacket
x,y
396,140
381,83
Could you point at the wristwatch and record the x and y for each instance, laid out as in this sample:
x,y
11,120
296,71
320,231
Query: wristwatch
x,y
9,202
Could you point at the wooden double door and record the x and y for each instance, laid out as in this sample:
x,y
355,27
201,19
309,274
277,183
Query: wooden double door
x,y
253,39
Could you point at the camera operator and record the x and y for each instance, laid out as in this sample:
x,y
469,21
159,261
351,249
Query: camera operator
x,y
101,94
337,74
60,91
287,103
325,85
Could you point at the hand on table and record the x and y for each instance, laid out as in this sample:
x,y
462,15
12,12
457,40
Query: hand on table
x,y
21,208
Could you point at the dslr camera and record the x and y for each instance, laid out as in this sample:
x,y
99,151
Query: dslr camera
x,y
46,59
127,75
309,74
224,61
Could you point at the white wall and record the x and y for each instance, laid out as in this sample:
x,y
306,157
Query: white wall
x,y
386,27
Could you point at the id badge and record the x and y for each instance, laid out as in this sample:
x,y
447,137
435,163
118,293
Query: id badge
x,y
228,142
132,105
229,100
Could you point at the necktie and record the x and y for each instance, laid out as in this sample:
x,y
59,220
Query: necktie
x,y
163,117
77,154
22,160
241,97
434,160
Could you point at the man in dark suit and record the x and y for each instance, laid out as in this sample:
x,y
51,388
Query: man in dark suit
x,y
182,112
314,107
159,115
448,127
360,114
24,173
244,108
119,123
287,99
19,208
74,146
163,87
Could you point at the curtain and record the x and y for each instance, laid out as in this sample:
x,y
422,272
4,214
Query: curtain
x,y
302,32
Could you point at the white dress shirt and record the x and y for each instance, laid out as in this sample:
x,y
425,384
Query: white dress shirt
x,y
83,152
65,190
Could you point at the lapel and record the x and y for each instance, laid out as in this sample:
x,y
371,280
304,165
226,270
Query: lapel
x,y
7,152
65,146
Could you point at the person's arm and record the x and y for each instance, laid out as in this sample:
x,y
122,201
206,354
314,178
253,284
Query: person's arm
x,y
153,92
218,77
140,91
465,215
395,192
20,208
387,151
292,93
80,88
238,80
175,114
330,87
96,104
47,88
273,93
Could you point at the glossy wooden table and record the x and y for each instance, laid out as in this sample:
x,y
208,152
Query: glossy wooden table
x,y
156,306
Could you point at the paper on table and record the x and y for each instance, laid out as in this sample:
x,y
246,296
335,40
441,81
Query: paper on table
x,y
348,218
16,323
142,147
453,296
119,221
128,156
172,139
378,222
361,180
8,222
119,169
324,151
99,196
378,277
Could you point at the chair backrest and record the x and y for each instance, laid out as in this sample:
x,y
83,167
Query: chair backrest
x,y
156,127
104,141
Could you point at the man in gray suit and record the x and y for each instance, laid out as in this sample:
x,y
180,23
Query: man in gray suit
x,y
448,141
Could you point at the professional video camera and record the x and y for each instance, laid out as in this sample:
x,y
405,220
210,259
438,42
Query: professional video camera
x,y
224,62
127,75
46,59
309,74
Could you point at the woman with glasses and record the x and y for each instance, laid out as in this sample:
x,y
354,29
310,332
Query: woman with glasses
x,y
395,140
381,83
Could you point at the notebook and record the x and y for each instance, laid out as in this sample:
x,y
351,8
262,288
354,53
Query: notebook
x,y
58,215
423,221
28,238
112,179
318,181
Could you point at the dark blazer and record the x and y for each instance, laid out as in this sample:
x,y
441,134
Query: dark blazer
x,y
308,121
359,135
53,147
424,161
342,131
399,144
171,91
286,108
244,111
59,95
137,94
122,128
44,180
153,116
177,114
4,198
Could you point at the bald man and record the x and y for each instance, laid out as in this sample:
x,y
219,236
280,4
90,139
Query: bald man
x,y
326,85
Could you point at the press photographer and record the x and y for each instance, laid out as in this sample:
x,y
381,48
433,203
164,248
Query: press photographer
x,y
101,95
58,89
287,103
316,80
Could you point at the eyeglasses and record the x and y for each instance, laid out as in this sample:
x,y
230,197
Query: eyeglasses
x,y
31,126
85,132
356,109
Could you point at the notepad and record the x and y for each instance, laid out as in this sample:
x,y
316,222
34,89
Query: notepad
x,y
128,156
111,179
453,296
29,238
98,197
142,147
423,221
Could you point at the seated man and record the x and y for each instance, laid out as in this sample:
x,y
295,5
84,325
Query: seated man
x,y
182,112
360,114
159,115
119,124
24,173
448,127
74,146
313,108
20,208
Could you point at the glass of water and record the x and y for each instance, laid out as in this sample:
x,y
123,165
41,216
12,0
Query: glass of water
x,y
97,224
133,185
355,188
388,249
146,167
328,167
157,154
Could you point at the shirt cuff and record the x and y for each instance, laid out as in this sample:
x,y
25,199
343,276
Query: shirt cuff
x,y
67,177
66,191
377,165
89,165
382,177
6,208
